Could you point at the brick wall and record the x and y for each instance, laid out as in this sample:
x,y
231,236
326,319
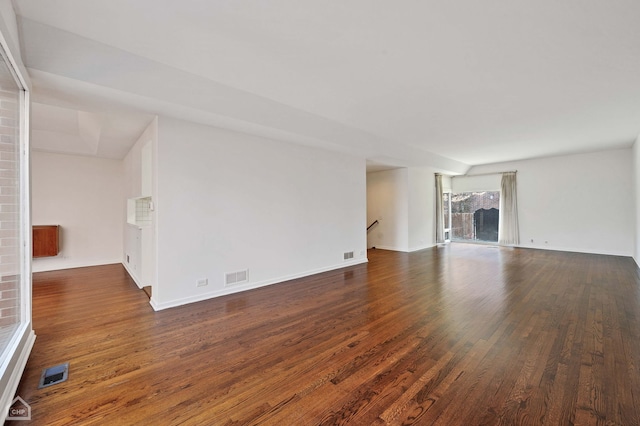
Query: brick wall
x,y
469,202
9,203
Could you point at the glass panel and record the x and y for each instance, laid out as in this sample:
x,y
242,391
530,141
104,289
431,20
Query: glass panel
x,y
11,257
475,216
445,206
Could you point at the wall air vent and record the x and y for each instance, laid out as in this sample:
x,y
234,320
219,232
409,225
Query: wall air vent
x,y
236,278
348,255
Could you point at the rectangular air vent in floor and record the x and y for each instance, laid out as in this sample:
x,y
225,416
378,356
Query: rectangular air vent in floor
x,y
54,375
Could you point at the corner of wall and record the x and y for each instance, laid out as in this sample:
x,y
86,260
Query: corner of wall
x,y
636,199
421,210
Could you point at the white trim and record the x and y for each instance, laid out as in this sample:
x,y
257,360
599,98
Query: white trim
x,y
226,291
73,265
548,248
25,200
19,347
19,363
571,250
392,248
422,247
133,276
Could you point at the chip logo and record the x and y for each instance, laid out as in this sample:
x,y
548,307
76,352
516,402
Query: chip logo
x,y
19,410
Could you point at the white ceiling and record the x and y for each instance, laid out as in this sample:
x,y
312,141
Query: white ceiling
x,y
72,131
445,84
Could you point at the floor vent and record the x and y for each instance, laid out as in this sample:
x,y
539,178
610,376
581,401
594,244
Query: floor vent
x,y
236,278
348,255
54,375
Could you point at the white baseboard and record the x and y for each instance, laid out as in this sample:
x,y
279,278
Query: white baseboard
x,y
154,304
422,247
575,250
405,250
250,286
392,248
132,275
38,265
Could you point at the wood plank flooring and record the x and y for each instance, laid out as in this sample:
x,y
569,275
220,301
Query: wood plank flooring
x,y
453,335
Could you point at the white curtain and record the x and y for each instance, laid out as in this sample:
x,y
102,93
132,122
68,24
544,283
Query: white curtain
x,y
439,210
508,233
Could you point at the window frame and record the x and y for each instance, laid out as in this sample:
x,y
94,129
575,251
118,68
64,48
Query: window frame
x,y
447,224
14,355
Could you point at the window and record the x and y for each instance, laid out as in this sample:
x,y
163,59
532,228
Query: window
x,y
446,206
475,216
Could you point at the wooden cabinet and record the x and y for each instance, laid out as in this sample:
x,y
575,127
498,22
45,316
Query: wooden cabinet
x,y
45,240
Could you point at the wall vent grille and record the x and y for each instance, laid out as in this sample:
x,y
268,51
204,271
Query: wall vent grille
x,y
236,278
348,255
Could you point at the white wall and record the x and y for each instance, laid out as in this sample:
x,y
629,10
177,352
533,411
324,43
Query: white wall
x,y
133,183
84,196
422,197
491,182
388,203
403,201
636,197
229,201
139,249
582,202
446,183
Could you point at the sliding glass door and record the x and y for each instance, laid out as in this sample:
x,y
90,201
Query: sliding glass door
x,y
11,255
475,216
15,238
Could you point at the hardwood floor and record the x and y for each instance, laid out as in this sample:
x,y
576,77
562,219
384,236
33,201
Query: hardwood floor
x,y
454,335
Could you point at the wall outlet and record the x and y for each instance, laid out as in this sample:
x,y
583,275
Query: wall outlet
x,y
203,282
